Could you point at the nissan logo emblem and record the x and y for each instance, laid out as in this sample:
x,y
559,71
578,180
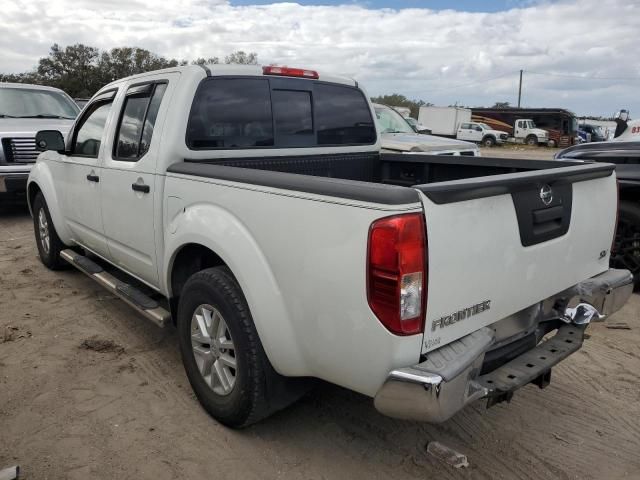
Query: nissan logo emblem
x,y
546,194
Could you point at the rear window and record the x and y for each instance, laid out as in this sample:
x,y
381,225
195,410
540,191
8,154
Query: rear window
x,y
230,113
293,119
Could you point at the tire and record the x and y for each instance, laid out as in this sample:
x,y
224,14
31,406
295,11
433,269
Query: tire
x,y
488,141
551,144
47,240
532,140
251,389
626,249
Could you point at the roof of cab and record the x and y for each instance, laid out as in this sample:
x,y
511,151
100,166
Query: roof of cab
x,y
215,69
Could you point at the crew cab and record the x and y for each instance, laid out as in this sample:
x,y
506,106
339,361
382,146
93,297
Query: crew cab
x,y
252,208
24,110
481,133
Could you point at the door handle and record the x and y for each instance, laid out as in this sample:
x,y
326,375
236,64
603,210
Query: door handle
x,y
140,187
93,178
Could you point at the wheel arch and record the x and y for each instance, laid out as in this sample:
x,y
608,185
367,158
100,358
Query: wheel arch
x,y
214,237
41,181
32,190
187,260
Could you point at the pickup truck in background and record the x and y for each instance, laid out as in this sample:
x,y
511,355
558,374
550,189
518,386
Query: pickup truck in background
x,y
398,136
481,133
456,122
24,110
625,155
251,207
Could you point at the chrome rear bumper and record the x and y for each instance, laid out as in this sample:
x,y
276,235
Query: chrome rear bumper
x,y
449,378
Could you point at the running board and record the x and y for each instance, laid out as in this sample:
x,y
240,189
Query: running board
x,y
147,306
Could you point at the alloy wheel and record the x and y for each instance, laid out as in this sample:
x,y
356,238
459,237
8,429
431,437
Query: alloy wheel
x,y
213,349
43,230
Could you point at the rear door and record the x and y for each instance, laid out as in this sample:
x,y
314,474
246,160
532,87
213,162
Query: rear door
x,y
475,133
129,193
492,255
464,132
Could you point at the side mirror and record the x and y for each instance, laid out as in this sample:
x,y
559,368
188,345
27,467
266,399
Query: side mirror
x,y
425,131
49,140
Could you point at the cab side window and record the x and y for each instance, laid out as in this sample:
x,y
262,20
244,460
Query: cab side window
x,y
137,121
88,135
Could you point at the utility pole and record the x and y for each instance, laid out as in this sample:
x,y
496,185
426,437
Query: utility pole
x,y
520,89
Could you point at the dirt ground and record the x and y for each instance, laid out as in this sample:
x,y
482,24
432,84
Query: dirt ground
x,y
520,151
90,390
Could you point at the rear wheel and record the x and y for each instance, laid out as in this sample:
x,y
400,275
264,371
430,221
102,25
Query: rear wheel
x,y
47,240
222,353
488,141
626,247
532,140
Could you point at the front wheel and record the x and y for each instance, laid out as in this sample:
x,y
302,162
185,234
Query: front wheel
x,y
626,247
47,240
222,353
532,140
488,141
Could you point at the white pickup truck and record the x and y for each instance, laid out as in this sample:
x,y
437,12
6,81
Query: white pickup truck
x,y
24,110
251,207
481,133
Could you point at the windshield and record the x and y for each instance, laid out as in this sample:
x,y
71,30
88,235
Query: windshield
x,y
411,121
531,124
484,126
35,103
391,121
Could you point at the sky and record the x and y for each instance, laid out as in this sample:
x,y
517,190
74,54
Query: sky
x,y
576,54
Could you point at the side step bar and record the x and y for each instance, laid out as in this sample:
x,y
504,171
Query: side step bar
x,y
147,306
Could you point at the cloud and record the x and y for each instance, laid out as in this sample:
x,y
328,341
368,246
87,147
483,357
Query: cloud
x,y
440,56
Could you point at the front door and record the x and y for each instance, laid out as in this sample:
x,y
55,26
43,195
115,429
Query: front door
x,y
129,190
79,175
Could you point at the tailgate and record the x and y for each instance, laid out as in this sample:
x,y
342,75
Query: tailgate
x,y
500,244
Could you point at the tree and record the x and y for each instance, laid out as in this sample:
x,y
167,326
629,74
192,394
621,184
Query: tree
x,y
205,61
126,61
398,100
242,58
81,70
27,77
72,69
501,105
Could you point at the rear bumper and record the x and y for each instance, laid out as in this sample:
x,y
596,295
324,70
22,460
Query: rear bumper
x,y
450,378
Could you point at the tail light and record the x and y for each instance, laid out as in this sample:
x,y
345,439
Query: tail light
x,y
397,272
290,72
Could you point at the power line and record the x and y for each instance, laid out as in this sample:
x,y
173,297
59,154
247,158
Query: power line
x,y
581,77
451,87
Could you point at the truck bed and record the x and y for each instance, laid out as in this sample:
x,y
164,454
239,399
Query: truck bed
x,y
384,178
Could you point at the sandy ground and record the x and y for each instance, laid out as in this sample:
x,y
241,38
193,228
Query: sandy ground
x,y
520,151
127,411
